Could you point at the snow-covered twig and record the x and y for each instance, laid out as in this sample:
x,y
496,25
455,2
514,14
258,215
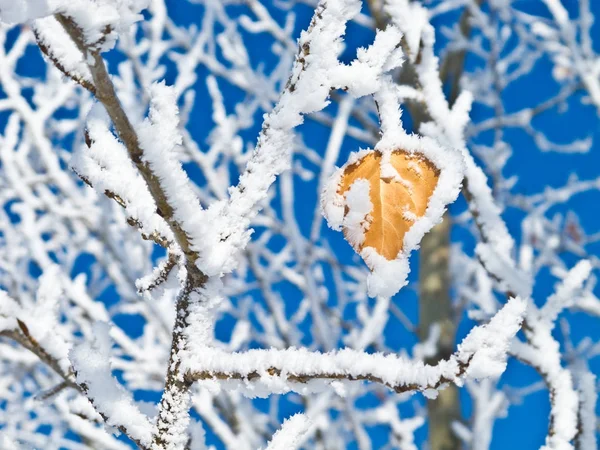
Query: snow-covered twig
x,y
259,372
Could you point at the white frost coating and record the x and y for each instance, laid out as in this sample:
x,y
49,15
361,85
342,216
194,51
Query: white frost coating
x,y
160,138
8,444
488,213
567,292
391,369
93,17
363,76
411,18
60,220
118,15
108,167
43,320
40,317
509,277
569,55
403,428
332,202
489,404
8,312
373,324
20,11
93,369
543,353
201,321
62,48
358,202
485,348
587,410
292,433
428,348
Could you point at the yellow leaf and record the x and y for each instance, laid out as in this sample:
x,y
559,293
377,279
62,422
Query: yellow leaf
x,y
397,202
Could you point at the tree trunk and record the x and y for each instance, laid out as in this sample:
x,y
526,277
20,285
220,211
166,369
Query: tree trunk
x,y
435,307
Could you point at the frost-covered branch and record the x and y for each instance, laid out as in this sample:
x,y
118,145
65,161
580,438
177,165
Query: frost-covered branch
x,y
481,354
105,93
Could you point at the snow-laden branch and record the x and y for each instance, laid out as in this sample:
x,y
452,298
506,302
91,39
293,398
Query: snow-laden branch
x,y
91,362
155,147
567,293
448,127
104,164
262,372
34,326
37,332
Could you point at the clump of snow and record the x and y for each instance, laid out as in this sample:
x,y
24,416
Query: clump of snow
x,y
363,76
91,361
387,277
291,434
61,47
486,347
99,20
160,138
21,11
8,312
107,166
411,18
332,202
356,220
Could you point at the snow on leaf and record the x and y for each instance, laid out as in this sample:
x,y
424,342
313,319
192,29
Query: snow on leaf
x,y
411,180
397,200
